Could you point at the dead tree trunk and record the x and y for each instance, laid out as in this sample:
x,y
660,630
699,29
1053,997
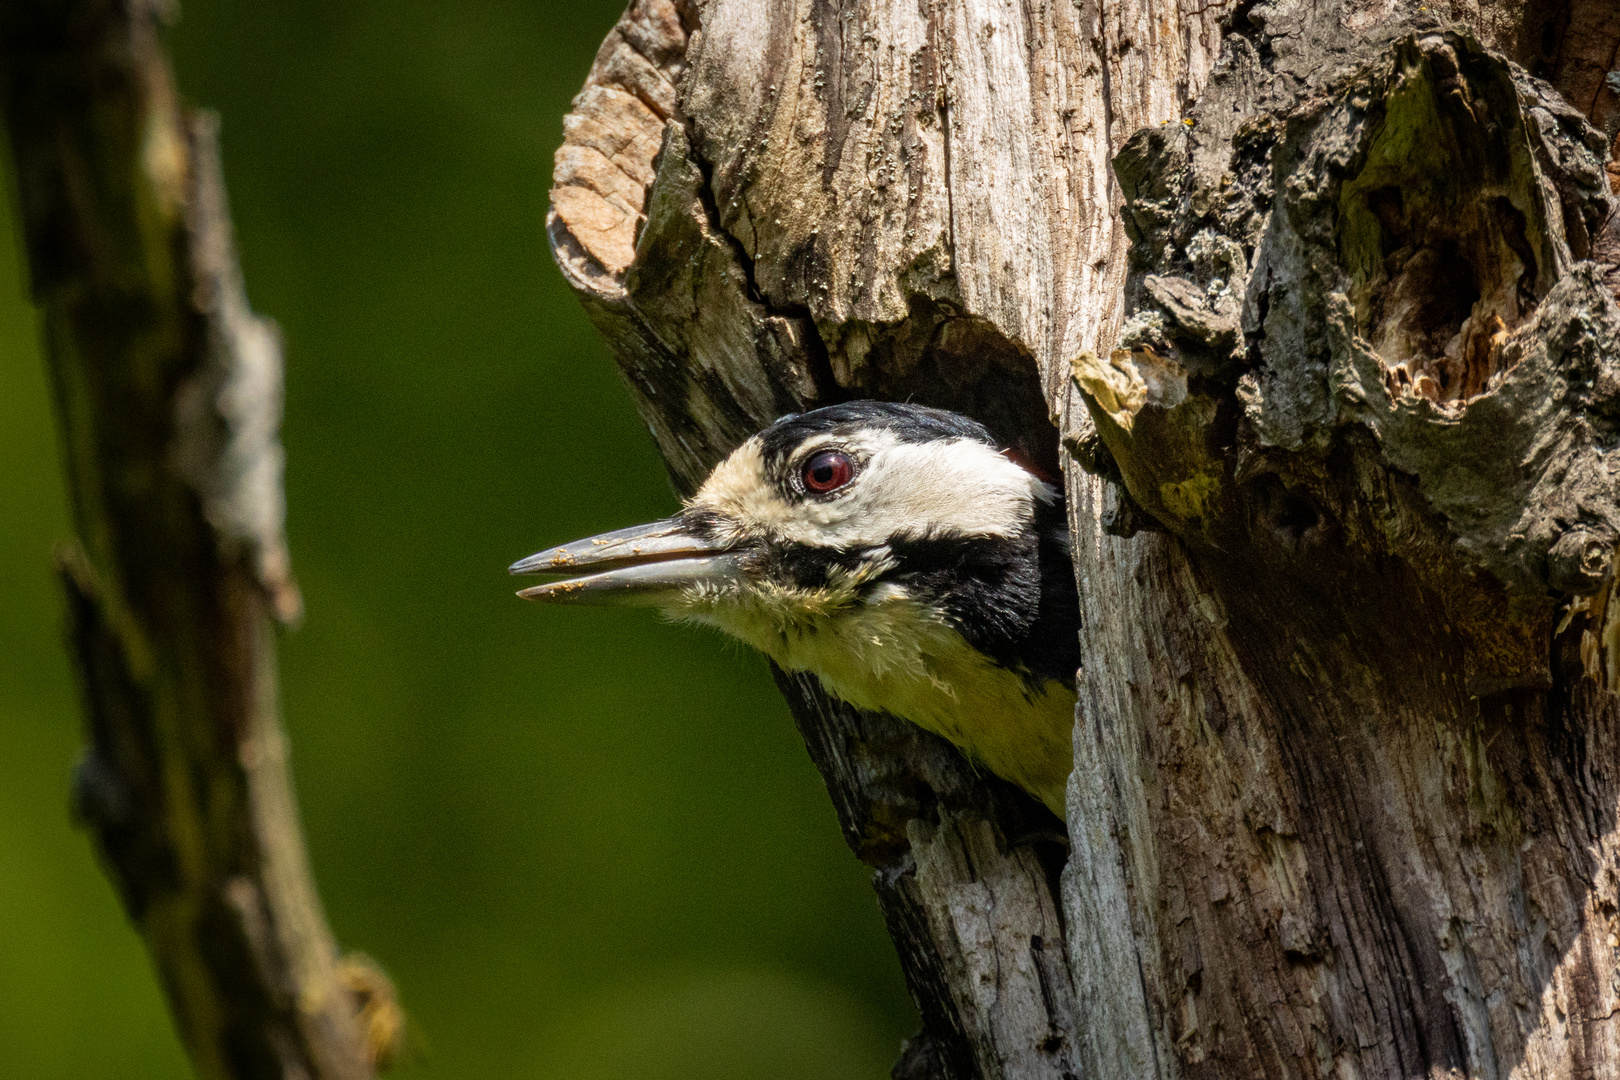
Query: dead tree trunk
x,y
1316,303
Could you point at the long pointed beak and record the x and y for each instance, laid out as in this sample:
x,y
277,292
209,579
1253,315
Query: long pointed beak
x,y
643,564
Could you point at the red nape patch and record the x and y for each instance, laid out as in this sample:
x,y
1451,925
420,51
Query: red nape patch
x,y
1027,463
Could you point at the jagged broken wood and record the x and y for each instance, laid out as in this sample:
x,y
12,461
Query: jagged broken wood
x,y
1332,364
169,394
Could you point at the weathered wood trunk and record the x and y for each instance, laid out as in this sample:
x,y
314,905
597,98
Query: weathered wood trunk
x,y
1316,307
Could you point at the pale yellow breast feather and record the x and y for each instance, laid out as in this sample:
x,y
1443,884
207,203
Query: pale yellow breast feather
x,y
892,654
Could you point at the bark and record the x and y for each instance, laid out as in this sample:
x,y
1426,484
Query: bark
x,y
169,391
1316,304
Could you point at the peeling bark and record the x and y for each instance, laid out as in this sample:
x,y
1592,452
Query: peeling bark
x,y
1315,306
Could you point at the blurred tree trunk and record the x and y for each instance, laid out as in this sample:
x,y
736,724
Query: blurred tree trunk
x,y
1315,306
169,394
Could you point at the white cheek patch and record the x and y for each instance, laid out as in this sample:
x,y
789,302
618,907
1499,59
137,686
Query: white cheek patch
x,y
955,486
948,486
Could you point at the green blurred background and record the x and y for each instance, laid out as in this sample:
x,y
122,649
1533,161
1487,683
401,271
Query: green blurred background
x,y
585,844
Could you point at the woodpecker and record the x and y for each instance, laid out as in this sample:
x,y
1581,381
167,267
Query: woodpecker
x,y
892,550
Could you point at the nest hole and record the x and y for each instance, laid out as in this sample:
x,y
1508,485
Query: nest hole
x,y
1290,516
1445,296
967,365
1444,260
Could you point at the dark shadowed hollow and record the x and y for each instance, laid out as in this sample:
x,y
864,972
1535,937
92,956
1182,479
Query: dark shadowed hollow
x,y
585,844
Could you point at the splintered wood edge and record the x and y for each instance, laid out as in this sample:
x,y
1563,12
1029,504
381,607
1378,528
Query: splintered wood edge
x,y
611,136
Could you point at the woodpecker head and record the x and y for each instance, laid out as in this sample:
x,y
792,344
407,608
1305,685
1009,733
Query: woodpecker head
x,y
893,550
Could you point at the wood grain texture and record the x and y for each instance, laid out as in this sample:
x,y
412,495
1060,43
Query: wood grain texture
x,y
1316,300
711,356
169,394
1358,384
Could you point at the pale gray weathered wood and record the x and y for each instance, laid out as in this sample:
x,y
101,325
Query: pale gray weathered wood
x,y
1343,801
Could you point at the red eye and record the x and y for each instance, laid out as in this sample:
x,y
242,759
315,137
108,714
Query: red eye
x,y
828,471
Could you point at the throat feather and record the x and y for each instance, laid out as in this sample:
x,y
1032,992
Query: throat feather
x,y
880,649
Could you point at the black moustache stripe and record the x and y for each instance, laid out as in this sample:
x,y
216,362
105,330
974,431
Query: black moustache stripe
x,y
807,566
1012,599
